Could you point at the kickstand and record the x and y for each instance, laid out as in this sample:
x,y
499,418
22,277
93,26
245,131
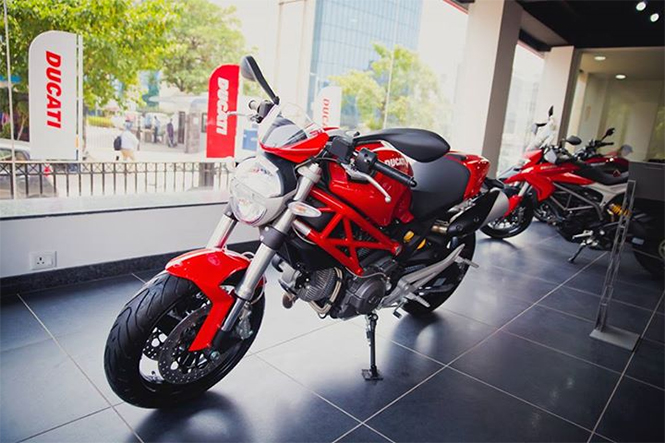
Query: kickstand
x,y
371,374
583,245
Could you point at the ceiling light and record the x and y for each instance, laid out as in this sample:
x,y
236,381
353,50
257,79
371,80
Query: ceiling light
x,y
620,76
641,6
654,17
599,58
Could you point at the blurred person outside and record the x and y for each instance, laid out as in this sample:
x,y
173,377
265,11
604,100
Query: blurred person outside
x,y
128,143
157,126
170,133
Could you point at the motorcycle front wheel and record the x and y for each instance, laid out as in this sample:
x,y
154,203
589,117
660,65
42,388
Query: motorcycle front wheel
x,y
147,359
513,224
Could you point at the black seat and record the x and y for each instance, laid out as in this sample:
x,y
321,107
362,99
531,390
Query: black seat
x,y
599,175
419,144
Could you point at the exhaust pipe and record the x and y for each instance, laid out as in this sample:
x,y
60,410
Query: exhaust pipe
x,y
488,207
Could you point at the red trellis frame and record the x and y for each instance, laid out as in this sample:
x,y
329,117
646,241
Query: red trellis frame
x,y
346,215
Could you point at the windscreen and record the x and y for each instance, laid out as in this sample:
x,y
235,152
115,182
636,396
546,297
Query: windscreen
x,y
286,125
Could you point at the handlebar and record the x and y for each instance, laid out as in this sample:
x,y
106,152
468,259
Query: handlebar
x,y
396,175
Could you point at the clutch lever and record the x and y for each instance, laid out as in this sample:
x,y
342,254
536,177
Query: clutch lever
x,y
357,175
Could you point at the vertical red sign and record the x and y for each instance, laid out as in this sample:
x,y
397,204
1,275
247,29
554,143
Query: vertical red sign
x,y
222,99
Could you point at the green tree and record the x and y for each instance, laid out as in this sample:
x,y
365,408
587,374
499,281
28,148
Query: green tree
x,y
206,36
414,98
120,38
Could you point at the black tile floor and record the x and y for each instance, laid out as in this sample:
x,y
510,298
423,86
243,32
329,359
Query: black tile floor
x,y
507,358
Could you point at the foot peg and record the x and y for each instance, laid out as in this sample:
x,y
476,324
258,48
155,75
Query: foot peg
x,y
372,374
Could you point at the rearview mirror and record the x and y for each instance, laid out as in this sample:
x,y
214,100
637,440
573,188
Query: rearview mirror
x,y
574,140
609,132
250,70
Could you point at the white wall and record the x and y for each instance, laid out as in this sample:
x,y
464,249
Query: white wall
x,y
630,106
102,237
484,81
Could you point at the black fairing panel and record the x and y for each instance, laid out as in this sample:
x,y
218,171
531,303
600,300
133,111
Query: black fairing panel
x,y
441,185
419,144
601,176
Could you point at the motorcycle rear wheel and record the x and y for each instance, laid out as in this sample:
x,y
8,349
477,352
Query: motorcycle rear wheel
x,y
513,224
450,279
147,361
651,255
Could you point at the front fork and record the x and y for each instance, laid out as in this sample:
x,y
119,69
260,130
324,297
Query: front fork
x,y
515,200
271,237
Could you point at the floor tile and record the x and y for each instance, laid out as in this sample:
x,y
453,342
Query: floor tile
x,y
599,439
363,434
104,426
509,282
563,385
41,388
87,350
656,330
630,271
83,307
254,402
453,407
623,291
648,363
18,327
568,334
545,264
443,335
484,303
329,361
584,304
635,414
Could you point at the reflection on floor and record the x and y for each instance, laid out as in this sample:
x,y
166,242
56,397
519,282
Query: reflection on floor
x,y
507,358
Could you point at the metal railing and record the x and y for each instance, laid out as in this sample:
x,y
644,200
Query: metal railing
x,y
77,179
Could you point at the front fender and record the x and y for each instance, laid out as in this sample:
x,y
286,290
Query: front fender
x,y
208,269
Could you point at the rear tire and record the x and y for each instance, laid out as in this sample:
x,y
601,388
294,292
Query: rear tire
x,y
453,276
650,255
136,326
513,224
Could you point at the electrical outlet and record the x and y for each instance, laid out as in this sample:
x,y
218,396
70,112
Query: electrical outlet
x,y
42,260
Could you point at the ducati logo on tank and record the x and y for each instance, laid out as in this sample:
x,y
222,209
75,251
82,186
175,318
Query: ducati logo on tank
x,y
55,102
222,99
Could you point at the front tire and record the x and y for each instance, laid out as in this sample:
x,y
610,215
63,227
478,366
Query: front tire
x,y
147,362
514,223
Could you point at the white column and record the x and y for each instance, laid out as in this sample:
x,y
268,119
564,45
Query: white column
x,y
484,81
557,85
295,33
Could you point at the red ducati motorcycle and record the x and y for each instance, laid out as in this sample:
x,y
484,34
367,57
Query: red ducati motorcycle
x,y
585,199
351,225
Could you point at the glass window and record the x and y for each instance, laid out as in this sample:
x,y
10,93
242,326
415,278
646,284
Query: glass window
x,y
527,71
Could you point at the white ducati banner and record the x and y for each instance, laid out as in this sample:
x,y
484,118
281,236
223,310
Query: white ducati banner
x,y
328,106
54,70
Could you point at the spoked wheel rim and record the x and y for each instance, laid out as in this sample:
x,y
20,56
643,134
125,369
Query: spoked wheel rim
x,y
166,359
512,222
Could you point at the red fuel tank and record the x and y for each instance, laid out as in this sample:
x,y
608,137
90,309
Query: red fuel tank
x,y
366,198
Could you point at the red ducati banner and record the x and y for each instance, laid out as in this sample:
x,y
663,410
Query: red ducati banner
x,y
222,99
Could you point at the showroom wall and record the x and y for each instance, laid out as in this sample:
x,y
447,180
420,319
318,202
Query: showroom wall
x,y
109,236
630,106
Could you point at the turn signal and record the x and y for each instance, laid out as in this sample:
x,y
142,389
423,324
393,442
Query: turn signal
x,y
304,210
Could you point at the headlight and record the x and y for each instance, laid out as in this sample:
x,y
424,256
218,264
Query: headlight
x,y
255,186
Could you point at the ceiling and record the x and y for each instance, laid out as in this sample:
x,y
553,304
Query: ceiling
x,y
634,63
595,23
